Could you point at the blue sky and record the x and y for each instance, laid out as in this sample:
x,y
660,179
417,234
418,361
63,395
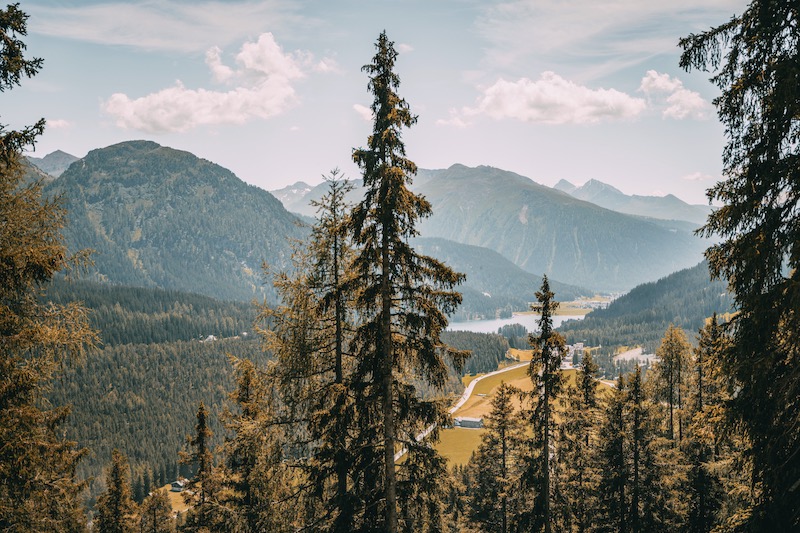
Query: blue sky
x,y
551,89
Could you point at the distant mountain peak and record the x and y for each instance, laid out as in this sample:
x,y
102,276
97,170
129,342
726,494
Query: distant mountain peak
x,y
565,186
597,185
54,163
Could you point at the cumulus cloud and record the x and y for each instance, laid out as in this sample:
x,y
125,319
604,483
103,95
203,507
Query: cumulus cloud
x,y
363,111
677,101
549,100
404,48
261,87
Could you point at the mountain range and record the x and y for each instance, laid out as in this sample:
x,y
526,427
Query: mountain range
x,y
54,163
166,218
667,207
540,229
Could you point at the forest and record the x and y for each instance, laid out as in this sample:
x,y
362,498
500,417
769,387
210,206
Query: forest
x,y
325,416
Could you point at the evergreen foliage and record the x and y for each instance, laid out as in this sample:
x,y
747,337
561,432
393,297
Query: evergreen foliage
x,y
549,348
754,58
38,487
403,299
115,508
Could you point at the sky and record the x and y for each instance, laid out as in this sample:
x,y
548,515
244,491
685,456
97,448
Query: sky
x,y
273,90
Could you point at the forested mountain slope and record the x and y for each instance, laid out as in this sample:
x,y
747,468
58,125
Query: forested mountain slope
x,y
546,231
166,218
140,390
493,282
685,298
541,230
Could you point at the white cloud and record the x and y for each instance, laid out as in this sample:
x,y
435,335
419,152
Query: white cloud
x,y
263,79
164,25
677,101
363,111
404,48
550,100
58,124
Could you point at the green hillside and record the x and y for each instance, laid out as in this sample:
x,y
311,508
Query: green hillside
x,y
165,218
685,298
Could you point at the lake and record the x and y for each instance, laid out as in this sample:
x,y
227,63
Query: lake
x,y
491,326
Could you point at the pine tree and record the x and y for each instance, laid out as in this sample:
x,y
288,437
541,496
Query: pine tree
x,y
403,298
496,464
38,490
258,485
201,487
615,471
115,509
754,58
155,514
670,376
577,443
549,348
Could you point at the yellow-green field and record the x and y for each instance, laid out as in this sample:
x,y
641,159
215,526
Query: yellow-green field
x,y
457,444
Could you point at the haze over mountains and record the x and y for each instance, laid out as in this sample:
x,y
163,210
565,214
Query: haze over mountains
x,y
667,207
161,217
540,229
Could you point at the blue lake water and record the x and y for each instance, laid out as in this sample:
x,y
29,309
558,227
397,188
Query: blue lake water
x,y
491,326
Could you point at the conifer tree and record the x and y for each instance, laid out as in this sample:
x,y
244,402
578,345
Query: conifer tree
x,y
201,487
754,60
403,298
549,348
258,485
155,514
496,464
577,443
612,455
670,376
115,508
38,490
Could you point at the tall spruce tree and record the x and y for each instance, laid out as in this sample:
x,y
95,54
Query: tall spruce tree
x,y
115,508
549,348
754,58
403,299
38,489
310,337
155,514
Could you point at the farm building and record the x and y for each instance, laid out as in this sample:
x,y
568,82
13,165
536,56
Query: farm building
x,y
468,422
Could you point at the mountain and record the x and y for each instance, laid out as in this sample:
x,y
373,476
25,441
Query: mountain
x,y
564,186
640,317
546,231
493,282
159,217
542,230
292,196
54,163
666,207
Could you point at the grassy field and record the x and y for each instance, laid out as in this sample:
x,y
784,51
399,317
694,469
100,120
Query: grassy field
x,y
457,444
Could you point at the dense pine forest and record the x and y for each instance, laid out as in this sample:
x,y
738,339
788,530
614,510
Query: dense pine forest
x,y
322,410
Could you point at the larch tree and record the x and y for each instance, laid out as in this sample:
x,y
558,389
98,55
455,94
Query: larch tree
x,y
403,297
38,488
754,58
155,514
549,348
